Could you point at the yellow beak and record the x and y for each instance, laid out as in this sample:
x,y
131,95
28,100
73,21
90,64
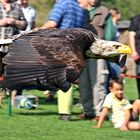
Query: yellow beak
x,y
124,49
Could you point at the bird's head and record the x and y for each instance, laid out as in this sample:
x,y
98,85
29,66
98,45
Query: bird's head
x,y
109,50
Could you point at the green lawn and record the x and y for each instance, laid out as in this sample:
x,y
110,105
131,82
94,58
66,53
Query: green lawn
x,y
43,123
131,89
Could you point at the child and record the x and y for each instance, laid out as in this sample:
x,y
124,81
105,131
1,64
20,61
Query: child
x,y
123,114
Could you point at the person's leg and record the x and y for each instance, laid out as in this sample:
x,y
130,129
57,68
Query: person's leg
x,y
13,94
49,96
65,103
1,65
136,107
85,89
132,125
114,69
138,80
100,89
1,73
138,87
2,94
1,98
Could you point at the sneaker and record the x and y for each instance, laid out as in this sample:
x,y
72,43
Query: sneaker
x,y
49,98
65,117
85,117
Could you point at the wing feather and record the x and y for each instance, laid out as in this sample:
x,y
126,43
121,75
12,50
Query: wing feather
x,y
46,59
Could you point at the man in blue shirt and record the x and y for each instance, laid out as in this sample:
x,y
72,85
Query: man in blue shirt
x,y
65,14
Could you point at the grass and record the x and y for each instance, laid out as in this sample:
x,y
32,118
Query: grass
x,y
131,89
43,123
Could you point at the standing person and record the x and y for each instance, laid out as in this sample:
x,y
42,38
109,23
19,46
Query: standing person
x,y
116,16
123,114
92,92
65,14
134,37
59,18
114,69
11,20
2,91
29,13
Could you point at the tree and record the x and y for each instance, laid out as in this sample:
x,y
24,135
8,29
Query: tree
x,y
128,8
42,10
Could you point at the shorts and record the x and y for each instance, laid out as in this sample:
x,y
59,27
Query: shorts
x,y
119,123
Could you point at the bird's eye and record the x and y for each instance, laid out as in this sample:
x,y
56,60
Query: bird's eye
x,y
116,46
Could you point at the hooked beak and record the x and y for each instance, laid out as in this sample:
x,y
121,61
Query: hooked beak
x,y
119,60
124,49
122,61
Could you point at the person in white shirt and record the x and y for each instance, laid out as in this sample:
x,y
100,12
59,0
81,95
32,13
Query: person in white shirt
x,y
29,13
30,16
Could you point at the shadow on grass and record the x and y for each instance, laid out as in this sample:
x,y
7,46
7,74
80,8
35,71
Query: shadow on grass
x,y
48,114
37,113
54,102
42,101
74,116
27,112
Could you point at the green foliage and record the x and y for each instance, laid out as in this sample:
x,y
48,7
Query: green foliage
x,y
42,9
128,8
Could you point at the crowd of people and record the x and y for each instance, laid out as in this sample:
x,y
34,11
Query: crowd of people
x,y
100,85
16,16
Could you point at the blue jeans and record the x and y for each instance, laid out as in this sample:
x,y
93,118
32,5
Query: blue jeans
x,y
114,70
138,74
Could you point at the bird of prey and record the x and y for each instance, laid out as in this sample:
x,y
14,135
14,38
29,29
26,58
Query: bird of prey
x,y
52,59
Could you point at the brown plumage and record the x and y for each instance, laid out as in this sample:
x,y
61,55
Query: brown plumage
x,y
49,59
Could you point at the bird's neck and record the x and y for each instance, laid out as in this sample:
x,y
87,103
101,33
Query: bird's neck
x,y
88,54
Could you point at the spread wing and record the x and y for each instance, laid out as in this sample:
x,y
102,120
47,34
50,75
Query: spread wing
x,y
46,59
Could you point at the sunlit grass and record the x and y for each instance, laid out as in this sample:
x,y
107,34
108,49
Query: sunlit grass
x,y
43,123
131,89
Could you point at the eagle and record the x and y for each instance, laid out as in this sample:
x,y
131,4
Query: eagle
x,y
52,59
